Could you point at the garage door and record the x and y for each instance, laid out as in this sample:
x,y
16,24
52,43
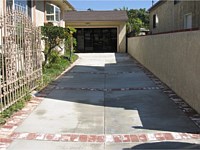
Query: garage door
x,y
97,40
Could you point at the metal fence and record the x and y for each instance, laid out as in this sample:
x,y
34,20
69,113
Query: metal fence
x,y
20,57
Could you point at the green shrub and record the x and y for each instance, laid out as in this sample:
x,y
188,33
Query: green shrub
x,y
14,108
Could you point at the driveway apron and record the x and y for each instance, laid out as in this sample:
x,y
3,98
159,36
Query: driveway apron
x,y
106,101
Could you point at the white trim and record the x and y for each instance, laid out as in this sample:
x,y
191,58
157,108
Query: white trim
x,y
54,13
187,25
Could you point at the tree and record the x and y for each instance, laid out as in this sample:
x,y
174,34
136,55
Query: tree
x,y
70,42
137,18
53,36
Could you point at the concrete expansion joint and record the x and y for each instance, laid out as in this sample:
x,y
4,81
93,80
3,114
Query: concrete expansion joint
x,y
107,90
105,73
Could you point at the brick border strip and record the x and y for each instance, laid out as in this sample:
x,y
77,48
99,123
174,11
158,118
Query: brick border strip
x,y
107,90
16,119
99,138
104,73
185,107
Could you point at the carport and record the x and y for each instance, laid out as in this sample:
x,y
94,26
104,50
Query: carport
x,y
98,31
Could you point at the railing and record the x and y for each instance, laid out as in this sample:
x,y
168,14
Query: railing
x,y
21,8
20,57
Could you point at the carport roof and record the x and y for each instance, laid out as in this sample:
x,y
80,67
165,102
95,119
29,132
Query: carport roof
x,y
70,16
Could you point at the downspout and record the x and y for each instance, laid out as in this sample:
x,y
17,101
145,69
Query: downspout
x,y
4,7
45,19
126,43
34,12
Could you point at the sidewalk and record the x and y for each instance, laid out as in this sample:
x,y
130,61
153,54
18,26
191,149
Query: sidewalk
x,y
106,101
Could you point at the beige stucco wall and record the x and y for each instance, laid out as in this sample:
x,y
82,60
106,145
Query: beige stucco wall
x,y
1,13
175,59
171,17
165,17
39,13
121,30
1,7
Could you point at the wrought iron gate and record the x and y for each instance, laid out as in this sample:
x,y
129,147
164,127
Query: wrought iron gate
x,y
20,57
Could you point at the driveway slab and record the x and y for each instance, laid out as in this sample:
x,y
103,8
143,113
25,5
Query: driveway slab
x,y
128,80
81,80
47,145
106,101
142,111
63,112
191,144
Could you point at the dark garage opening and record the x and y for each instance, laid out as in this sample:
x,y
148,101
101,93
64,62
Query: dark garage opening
x,y
96,40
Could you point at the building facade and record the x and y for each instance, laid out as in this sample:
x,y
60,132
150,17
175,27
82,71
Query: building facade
x,y
174,15
99,31
40,11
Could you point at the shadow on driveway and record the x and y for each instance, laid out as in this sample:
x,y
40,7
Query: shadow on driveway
x,y
126,110
165,145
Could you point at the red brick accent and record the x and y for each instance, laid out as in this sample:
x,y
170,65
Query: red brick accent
x,y
57,137
49,137
40,137
31,136
66,138
14,135
117,138
159,136
92,138
134,138
168,136
74,138
100,138
142,138
194,136
5,140
184,136
8,126
83,138
126,138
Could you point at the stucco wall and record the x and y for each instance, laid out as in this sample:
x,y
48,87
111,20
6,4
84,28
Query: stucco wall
x,y
39,13
1,13
122,38
165,17
171,17
1,7
175,59
121,30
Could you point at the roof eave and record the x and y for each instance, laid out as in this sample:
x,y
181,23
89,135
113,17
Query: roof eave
x,y
95,20
63,4
70,5
160,2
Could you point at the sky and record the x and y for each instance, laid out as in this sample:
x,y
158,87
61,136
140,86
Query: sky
x,y
82,5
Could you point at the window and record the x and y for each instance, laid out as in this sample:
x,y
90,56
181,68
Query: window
x,y
155,20
188,21
52,13
9,3
22,5
176,2
57,10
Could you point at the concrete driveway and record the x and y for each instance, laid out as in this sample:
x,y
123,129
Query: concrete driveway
x,y
106,101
